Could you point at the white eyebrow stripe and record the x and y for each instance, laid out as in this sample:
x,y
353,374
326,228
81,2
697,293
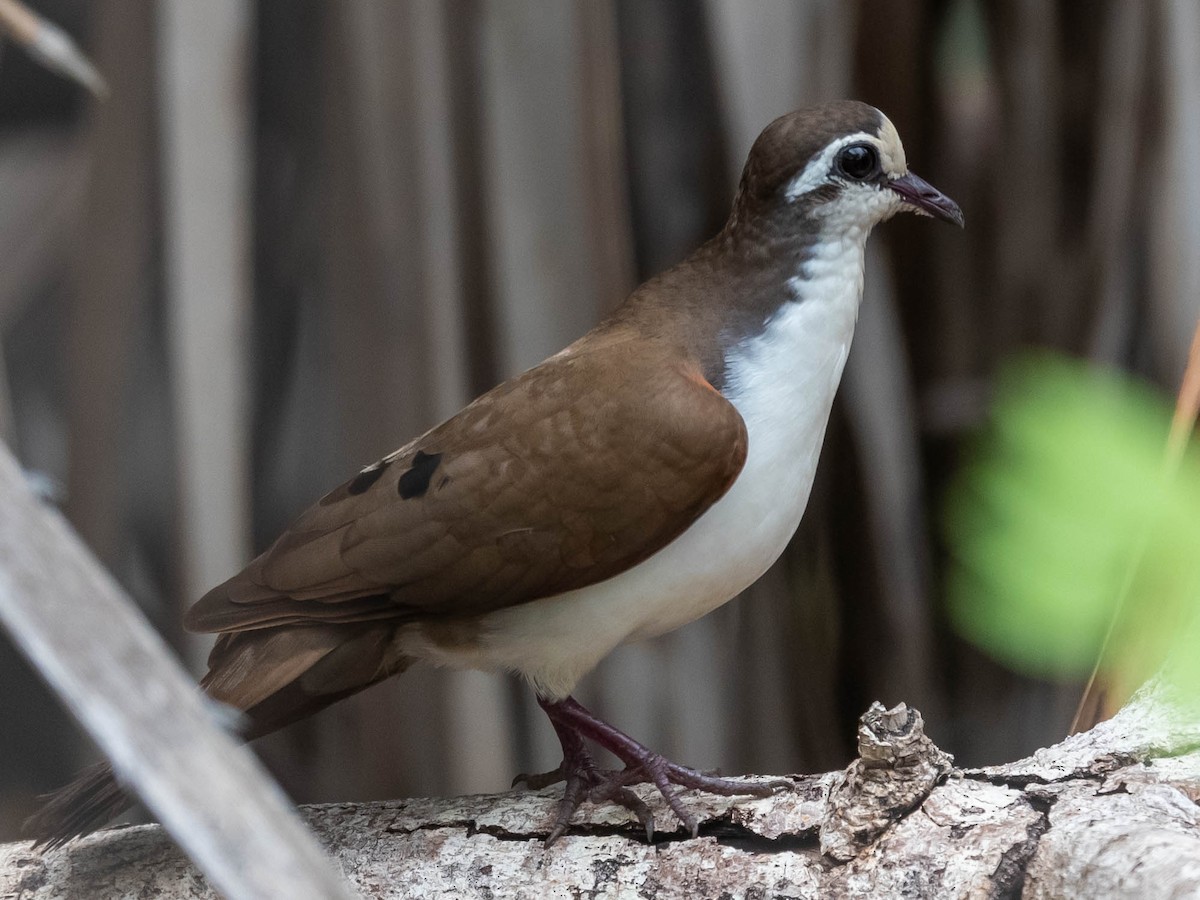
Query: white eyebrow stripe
x,y
814,174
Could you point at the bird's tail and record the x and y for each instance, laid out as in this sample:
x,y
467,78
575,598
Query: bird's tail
x,y
91,800
274,676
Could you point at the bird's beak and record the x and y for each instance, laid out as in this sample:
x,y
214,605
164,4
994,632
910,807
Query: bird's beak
x,y
925,199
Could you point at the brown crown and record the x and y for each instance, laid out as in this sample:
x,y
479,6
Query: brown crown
x,y
787,145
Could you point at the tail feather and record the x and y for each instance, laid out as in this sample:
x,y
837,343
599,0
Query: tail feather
x,y
275,676
94,798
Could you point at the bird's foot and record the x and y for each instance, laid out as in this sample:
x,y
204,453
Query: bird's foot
x,y
586,781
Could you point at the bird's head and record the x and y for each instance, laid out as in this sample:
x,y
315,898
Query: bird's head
x,y
839,166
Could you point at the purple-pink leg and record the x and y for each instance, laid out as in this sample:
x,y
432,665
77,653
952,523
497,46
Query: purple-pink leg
x,y
584,780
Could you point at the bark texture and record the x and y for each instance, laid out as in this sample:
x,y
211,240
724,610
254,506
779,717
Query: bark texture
x,y
1108,813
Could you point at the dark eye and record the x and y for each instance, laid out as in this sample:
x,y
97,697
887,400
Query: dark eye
x,y
858,161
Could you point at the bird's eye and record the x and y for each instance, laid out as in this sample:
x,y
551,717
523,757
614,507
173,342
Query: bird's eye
x,y
858,161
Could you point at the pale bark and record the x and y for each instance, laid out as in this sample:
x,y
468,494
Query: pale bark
x,y
1109,813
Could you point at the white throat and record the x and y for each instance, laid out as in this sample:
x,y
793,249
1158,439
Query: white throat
x,y
783,382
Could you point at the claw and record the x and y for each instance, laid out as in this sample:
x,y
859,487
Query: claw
x,y
635,804
559,829
704,781
775,785
537,781
663,783
573,795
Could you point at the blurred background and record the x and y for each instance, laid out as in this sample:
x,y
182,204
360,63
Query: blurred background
x,y
299,233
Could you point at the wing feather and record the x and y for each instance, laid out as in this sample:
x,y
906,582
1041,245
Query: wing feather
x,y
557,479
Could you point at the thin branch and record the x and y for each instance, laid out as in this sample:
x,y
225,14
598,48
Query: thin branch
x,y
1091,707
90,643
51,46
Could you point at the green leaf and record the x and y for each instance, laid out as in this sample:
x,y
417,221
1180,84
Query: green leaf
x,y
1066,518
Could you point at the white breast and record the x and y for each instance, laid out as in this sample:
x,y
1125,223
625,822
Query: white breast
x,y
782,382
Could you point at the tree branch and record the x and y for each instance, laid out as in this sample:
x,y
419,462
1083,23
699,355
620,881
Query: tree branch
x,y
1111,808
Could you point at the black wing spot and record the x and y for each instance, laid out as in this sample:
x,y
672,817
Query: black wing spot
x,y
366,478
415,482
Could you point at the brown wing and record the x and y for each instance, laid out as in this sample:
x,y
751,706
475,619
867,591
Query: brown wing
x,y
557,479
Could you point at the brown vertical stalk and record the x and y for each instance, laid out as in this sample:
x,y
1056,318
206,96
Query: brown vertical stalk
x,y
112,273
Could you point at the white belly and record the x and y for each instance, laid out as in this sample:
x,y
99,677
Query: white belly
x,y
783,384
